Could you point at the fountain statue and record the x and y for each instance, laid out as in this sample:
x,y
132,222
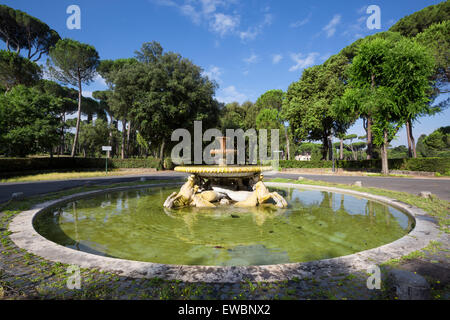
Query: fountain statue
x,y
209,186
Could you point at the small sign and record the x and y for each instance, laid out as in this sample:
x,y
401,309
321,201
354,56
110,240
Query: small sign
x,y
106,148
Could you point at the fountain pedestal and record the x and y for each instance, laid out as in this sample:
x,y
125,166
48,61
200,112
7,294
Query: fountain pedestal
x,y
241,186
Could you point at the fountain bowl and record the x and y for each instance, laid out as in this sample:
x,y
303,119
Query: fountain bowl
x,y
214,171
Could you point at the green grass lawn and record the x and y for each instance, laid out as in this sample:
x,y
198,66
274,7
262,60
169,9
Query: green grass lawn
x,y
71,175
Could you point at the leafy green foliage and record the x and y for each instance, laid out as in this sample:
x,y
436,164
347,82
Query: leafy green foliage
x,y
75,63
399,152
72,62
437,144
20,30
28,121
388,83
441,165
8,165
123,76
174,93
15,70
314,149
232,116
93,136
419,21
268,119
408,72
437,39
309,102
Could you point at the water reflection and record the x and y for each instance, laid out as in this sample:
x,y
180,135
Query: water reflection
x,y
134,225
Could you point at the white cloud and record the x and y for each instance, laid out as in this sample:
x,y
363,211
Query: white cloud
x,y
214,73
253,32
217,16
223,24
99,80
362,10
330,28
276,58
300,23
190,12
87,94
250,34
357,29
303,61
252,59
209,6
230,94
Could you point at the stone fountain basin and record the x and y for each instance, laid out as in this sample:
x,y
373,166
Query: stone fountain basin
x,y
425,229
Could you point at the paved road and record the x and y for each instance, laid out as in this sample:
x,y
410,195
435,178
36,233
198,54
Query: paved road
x,y
41,187
439,187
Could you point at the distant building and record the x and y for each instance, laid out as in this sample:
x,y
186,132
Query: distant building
x,y
303,157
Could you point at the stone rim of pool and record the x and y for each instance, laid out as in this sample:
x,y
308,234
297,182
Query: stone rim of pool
x,y
26,237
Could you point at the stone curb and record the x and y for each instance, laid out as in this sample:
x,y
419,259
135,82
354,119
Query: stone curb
x,y
25,237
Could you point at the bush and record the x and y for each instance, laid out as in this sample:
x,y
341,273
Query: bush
x,y
168,164
441,165
11,165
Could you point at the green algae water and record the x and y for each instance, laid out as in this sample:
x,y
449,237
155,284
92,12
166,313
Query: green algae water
x,y
134,225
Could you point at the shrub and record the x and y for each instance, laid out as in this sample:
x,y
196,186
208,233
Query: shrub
x,y
168,164
11,165
441,165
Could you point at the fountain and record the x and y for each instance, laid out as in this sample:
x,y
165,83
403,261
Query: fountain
x,y
222,184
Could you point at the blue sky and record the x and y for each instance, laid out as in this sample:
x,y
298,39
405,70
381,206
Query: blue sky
x,y
248,47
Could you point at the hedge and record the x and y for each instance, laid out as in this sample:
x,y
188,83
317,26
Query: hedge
x,y
441,165
9,165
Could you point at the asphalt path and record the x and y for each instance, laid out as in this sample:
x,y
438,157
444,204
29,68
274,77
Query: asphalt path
x,y
439,187
42,187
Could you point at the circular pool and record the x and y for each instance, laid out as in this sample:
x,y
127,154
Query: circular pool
x,y
133,225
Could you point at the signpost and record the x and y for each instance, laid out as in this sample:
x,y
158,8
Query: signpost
x,y
107,149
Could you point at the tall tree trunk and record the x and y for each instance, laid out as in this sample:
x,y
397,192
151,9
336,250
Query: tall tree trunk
x,y
128,138
124,128
411,143
325,148
287,143
353,151
62,147
384,155
369,139
161,153
341,150
369,128
75,140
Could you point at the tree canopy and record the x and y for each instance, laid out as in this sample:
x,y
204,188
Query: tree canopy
x,y
437,39
417,22
20,31
309,102
175,93
74,63
15,70
29,121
